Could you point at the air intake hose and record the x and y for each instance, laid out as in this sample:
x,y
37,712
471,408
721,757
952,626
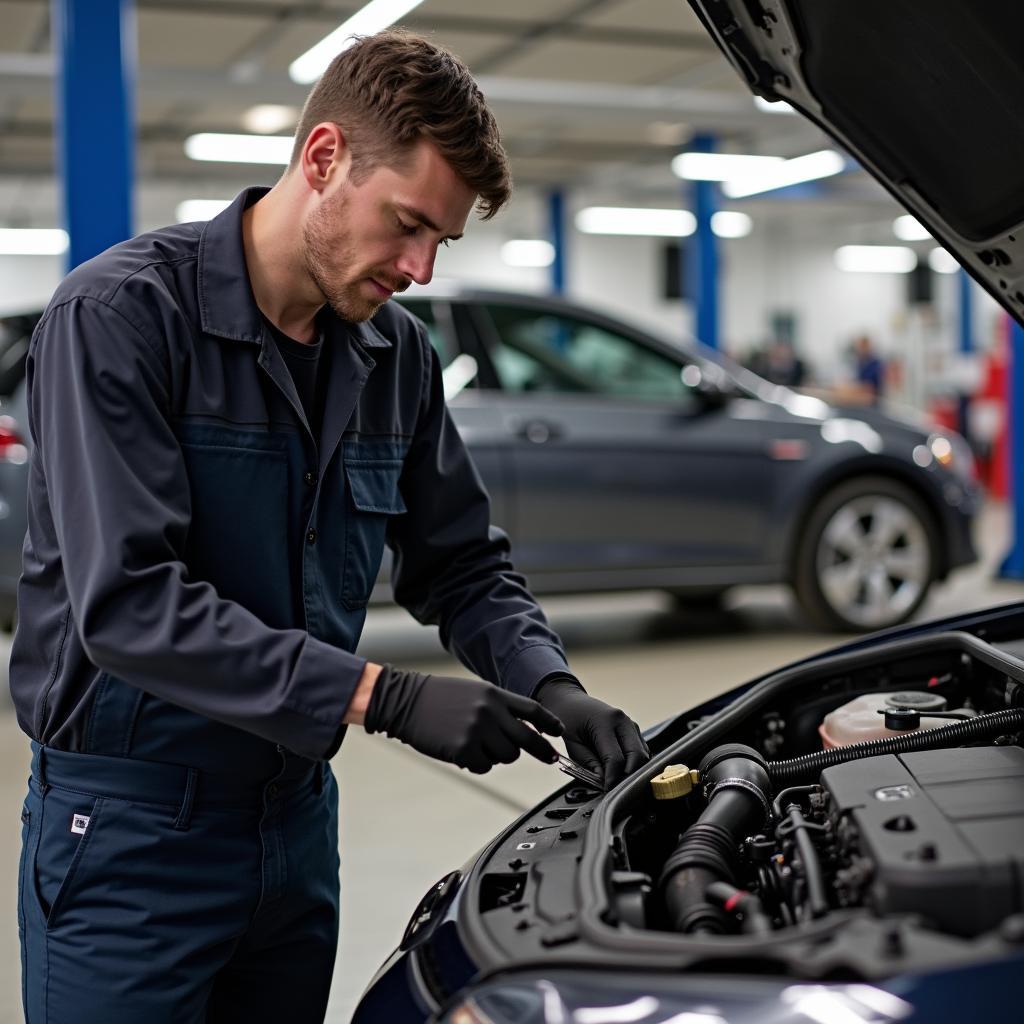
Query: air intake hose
x,y
810,766
736,783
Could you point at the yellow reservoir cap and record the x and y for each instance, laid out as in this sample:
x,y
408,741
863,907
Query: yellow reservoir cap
x,y
675,781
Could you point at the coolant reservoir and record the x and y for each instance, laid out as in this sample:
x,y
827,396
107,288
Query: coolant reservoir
x,y
859,720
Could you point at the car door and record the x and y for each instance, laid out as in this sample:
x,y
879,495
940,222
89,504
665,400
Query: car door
x,y
478,423
625,472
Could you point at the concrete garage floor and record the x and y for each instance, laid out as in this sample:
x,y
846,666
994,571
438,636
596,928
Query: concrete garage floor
x,y
406,820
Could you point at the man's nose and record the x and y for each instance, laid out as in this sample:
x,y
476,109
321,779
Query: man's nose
x,y
417,262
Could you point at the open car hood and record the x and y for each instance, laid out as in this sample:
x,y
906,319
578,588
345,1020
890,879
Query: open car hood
x,y
929,97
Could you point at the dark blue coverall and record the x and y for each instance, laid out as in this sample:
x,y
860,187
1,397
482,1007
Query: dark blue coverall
x,y
196,573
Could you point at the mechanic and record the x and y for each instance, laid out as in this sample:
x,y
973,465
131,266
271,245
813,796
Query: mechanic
x,y
230,421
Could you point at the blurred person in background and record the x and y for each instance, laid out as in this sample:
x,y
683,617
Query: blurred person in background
x,y
869,370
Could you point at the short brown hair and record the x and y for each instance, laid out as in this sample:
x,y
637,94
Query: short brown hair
x,y
387,91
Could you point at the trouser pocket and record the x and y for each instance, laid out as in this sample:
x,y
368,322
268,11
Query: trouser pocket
x,y
67,824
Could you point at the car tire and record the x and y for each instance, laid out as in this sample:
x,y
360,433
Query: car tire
x,y
866,556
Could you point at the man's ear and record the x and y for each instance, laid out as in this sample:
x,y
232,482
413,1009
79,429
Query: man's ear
x,y
325,155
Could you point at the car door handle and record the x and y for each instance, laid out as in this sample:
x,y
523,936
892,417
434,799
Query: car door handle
x,y
537,431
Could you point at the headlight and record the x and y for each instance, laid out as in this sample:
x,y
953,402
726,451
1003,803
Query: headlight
x,y
951,452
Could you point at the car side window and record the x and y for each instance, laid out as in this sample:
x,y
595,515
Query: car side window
x,y
439,338
535,350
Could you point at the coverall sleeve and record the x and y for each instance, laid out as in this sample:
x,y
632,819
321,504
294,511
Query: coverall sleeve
x,y
118,494
453,568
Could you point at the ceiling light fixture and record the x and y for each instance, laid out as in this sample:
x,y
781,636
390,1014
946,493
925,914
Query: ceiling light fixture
x,y
33,241
876,259
376,15
942,262
200,209
267,118
722,166
623,220
528,252
731,224
240,149
822,164
910,229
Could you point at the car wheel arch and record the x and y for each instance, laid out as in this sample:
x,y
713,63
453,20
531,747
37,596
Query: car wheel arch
x,y
845,472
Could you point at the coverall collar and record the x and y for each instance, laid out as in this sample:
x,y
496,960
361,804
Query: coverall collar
x,y
227,306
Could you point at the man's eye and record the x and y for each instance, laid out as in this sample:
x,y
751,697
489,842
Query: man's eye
x,y
406,229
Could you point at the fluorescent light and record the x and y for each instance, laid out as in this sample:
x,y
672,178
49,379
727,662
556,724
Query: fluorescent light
x,y
722,166
200,209
33,241
822,164
731,224
942,262
240,149
776,107
267,118
528,252
622,220
876,259
910,229
376,15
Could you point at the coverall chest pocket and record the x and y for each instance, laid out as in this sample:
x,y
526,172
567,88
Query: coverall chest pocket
x,y
373,497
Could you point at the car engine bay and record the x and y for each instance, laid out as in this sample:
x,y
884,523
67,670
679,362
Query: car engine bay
x,y
855,817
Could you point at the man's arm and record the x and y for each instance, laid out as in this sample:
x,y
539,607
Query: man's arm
x,y
453,568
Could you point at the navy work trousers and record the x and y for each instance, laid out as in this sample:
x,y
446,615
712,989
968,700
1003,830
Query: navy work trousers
x,y
154,893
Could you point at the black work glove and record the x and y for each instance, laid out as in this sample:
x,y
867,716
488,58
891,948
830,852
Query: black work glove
x,y
597,736
467,722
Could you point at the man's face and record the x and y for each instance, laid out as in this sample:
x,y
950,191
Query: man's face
x,y
363,242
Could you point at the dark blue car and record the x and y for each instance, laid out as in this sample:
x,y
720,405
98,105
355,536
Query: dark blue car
x,y
842,840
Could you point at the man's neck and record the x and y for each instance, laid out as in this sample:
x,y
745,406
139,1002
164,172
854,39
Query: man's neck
x,y
285,293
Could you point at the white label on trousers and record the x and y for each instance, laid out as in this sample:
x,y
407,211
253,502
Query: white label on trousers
x,y
79,823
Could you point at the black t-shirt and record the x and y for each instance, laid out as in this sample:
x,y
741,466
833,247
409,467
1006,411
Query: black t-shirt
x,y
307,365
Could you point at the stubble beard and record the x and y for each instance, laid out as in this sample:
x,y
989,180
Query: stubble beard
x,y
330,257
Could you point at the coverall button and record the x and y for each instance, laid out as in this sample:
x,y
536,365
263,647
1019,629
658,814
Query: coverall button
x,y
311,536
272,790
310,478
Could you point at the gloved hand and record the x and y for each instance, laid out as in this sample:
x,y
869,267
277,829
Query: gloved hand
x,y
467,722
597,736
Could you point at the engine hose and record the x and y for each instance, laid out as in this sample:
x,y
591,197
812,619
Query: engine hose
x,y
809,766
737,785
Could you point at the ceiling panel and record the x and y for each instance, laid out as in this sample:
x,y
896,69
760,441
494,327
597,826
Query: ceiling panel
x,y
652,15
19,24
190,41
522,10
292,40
36,109
590,62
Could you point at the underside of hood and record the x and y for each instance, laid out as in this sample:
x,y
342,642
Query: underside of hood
x,y
929,97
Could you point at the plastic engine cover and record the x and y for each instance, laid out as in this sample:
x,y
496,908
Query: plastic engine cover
x,y
944,830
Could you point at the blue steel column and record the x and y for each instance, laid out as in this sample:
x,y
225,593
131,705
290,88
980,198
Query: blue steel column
x,y
966,342
702,256
1013,564
95,45
556,234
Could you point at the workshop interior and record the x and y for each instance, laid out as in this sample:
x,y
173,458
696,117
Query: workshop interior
x,y
740,368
